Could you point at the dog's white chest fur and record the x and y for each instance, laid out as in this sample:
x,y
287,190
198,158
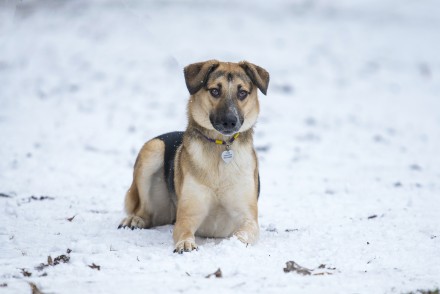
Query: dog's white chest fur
x,y
230,186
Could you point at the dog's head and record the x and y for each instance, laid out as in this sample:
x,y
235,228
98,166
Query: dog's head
x,y
224,95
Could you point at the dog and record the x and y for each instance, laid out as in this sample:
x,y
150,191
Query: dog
x,y
204,180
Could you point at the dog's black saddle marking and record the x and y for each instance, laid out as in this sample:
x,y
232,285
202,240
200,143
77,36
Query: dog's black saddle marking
x,y
172,142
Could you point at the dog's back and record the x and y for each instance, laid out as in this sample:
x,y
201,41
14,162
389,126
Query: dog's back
x,y
172,141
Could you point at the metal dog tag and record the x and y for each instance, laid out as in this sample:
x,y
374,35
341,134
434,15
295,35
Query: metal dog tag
x,y
227,155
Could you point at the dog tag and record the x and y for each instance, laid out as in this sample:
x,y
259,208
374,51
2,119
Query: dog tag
x,y
227,155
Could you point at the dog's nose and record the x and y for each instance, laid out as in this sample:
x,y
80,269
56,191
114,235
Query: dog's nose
x,y
230,121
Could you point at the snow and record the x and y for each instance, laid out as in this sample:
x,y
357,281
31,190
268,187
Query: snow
x,y
348,141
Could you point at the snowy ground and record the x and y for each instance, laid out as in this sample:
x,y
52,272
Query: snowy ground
x,y
348,140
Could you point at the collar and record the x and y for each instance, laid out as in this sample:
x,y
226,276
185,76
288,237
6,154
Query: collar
x,y
221,142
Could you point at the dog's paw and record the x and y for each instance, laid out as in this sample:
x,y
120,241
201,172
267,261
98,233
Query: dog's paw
x,y
242,236
186,245
133,222
246,237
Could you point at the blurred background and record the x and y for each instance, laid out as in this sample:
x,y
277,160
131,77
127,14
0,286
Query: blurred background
x,y
352,104
85,83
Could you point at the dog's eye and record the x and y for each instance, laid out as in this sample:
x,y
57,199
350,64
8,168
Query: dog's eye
x,y
215,92
242,94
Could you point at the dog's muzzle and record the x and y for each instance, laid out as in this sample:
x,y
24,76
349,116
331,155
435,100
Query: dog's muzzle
x,y
227,124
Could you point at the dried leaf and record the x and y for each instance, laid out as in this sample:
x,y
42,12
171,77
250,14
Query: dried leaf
x,y
71,218
61,259
292,266
217,274
68,250
372,216
41,198
94,266
322,274
41,266
53,262
371,260
34,288
36,198
322,266
26,273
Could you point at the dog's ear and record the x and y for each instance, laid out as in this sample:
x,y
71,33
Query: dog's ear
x,y
196,74
259,76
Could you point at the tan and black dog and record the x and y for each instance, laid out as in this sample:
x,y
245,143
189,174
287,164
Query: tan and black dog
x,y
205,179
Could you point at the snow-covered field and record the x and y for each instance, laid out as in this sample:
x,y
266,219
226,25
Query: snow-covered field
x,y
348,141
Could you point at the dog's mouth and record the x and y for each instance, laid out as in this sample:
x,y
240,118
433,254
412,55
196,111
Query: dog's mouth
x,y
225,132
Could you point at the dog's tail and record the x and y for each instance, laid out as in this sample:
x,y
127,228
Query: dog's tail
x,y
132,199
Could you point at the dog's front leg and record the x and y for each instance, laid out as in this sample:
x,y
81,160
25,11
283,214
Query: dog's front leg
x,y
192,209
249,231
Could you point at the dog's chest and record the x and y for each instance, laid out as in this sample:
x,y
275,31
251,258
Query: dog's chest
x,y
225,174
232,187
